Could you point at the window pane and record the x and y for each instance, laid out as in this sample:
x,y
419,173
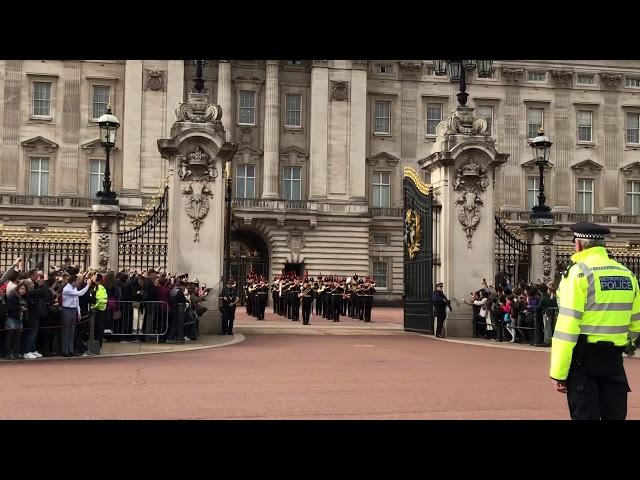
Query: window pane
x,y
41,99
434,117
251,170
100,100
536,121
375,192
44,183
380,274
295,173
293,105
384,196
247,107
486,112
382,117
240,187
34,183
250,188
295,190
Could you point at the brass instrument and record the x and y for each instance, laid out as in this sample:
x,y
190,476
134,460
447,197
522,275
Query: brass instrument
x,y
305,292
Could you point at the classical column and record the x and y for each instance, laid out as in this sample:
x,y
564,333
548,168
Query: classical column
x,y
319,129
271,132
70,153
224,97
132,127
11,127
358,132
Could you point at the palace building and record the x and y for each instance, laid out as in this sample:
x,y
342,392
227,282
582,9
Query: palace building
x,y
317,177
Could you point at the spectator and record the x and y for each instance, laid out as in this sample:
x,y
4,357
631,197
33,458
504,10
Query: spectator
x,y
70,313
101,298
51,320
34,318
545,327
16,310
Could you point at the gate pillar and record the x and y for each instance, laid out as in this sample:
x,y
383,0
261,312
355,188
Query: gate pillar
x,y
461,171
198,156
543,259
105,225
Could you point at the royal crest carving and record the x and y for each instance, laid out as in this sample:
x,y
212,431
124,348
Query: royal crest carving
x,y
197,195
411,70
296,241
199,110
197,165
471,181
339,90
412,232
103,245
154,80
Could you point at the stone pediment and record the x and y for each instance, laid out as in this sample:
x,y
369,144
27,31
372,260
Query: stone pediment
x,y
587,166
248,149
383,158
532,164
293,152
92,146
39,143
631,168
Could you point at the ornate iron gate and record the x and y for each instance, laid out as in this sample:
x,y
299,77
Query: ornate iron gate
x,y
418,253
512,255
44,249
145,246
627,255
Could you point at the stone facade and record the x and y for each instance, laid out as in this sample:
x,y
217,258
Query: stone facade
x,y
315,136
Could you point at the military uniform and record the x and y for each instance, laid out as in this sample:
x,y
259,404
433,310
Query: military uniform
x,y
228,298
598,314
261,299
440,304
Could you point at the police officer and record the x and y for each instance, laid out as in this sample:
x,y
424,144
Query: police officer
x,y
228,299
440,304
599,312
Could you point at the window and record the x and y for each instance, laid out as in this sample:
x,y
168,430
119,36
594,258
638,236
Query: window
x,y
383,68
536,76
633,198
381,189
535,121
434,117
292,183
96,178
486,112
633,127
101,95
39,176
247,114
585,79
42,99
584,202
292,110
245,181
633,82
380,274
294,62
533,188
382,117
380,240
585,122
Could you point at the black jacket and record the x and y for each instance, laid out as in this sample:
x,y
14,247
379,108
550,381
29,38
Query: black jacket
x,y
14,304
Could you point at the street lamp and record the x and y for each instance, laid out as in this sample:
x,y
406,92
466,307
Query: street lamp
x,y
456,69
108,126
199,81
541,146
227,233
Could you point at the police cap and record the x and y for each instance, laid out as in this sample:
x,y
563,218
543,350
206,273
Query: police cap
x,y
589,231
439,284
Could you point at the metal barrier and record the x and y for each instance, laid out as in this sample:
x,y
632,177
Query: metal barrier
x,y
129,318
525,326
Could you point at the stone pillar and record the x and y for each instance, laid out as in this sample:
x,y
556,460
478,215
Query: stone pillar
x,y
271,132
462,169
224,97
358,132
70,153
105,225
542,252
319,129
132,128
197,154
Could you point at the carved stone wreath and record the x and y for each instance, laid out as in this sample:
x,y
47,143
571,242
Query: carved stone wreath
x,y
103,250
154,80
339,90
471,181
197,204
412,232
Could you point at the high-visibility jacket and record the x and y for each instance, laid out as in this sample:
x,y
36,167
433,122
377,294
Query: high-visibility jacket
x,y
599,298
101,298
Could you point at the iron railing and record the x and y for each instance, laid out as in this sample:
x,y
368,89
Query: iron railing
x,y
512,255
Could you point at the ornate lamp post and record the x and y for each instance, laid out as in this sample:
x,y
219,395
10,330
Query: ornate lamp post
x,y
108,127
199,81
541,146
456,70
227,233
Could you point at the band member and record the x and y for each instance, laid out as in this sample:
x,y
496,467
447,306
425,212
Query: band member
x,y
326,300
317,295
344,297
307,298
336,299
262,292
295,301
282,311
274,295
369,290
353,297
360,300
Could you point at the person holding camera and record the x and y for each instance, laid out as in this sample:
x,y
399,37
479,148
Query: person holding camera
x,y
71,313
16,311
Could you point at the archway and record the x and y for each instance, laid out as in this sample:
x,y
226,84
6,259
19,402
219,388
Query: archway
x,y
249,253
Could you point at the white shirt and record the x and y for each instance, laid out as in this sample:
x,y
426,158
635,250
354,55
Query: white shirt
x,y
11,286
70,296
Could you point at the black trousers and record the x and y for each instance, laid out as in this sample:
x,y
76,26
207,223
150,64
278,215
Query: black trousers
x,y
318,305
262,305
597,386
368,305
352,306
282,306
228,316
12,341
326,307
249,304
344,302
274,297
337,307
360,308
98,325
441,315
295,310
306,311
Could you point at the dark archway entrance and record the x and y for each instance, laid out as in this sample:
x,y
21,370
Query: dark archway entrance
x,y
249,253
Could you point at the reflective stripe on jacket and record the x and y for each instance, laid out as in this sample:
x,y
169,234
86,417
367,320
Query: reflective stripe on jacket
x,y
599,298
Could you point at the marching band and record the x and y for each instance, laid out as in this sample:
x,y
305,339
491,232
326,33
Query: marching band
x,y
334,296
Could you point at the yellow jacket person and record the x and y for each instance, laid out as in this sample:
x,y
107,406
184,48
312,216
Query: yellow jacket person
x,y
599,311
